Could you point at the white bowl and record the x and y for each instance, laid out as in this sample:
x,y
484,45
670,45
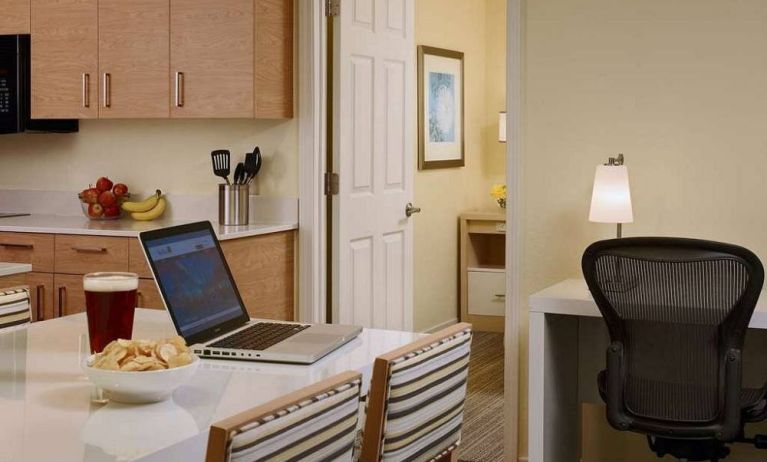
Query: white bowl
x,y
140,386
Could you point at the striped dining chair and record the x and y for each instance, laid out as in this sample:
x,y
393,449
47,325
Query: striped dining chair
x,y
316,423
416,398
15,307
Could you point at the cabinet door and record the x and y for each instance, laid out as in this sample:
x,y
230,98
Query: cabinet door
x,y
65,59
41,289
274,59
14,17
263,269
211,53
68,296
134,58
148,296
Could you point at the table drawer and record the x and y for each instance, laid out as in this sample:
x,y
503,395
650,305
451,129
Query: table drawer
x,y
33,248
487,293
86,254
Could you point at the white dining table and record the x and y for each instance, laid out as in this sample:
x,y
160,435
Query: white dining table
x,y
46,413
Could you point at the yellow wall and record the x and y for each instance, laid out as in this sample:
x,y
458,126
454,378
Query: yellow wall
x,y
173,155
680,88
444,194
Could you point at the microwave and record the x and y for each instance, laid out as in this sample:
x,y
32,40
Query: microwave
x,y
15,91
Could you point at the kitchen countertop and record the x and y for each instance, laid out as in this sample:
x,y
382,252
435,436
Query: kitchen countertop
x,y
60,224
8,269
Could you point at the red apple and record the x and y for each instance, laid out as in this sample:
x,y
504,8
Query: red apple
x,y
95,210
111,211
107,198
120,190
90,195
104,184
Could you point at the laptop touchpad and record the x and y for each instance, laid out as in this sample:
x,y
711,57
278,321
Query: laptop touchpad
x,y
315,339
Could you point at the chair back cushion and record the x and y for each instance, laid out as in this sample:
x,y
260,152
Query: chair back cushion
x,y
316,423
674,308
14,307
423,391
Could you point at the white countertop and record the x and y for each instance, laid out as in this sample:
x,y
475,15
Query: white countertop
x,y
8,269
46,412
125,227
572,297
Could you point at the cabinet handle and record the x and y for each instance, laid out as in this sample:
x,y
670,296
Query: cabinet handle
x,y
500,295
89,249
16,246
107,90
40,292
139,296
86,90
62,299
179,89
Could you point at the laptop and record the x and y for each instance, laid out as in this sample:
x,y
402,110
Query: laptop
x,y
198,289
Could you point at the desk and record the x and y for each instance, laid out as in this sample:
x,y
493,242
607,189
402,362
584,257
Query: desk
x,y
568,340
46,413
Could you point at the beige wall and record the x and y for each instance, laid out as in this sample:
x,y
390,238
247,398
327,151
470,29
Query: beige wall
x,y
173,155
679,87
470,27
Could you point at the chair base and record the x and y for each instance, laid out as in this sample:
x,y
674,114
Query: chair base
x,y
689,450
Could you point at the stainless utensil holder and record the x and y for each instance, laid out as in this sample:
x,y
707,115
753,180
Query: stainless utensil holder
x,y
233,204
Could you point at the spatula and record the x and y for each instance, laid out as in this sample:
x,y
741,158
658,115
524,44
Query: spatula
x,y
220,159
252,164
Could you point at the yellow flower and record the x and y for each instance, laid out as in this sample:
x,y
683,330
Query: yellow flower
x,y
498,191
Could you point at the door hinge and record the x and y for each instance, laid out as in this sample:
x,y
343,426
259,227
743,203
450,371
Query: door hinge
x,y
331,184
332,8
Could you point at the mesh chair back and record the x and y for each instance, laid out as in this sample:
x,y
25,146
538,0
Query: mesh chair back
x,y
677,310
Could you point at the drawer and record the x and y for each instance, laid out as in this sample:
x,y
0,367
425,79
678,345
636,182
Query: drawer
x,y
148,296
68,294
33,248
137,261
487,293
86,254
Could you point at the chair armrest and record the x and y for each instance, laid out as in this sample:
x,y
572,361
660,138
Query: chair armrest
x,y
732,424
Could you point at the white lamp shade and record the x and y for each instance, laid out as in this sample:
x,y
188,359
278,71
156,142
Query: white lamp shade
x,y
611,197
502,127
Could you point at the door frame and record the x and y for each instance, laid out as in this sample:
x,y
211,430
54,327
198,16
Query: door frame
x,y
312,233
312,143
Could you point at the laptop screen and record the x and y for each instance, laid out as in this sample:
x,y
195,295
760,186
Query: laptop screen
x,y
194,279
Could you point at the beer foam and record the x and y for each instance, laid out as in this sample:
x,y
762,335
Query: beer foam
x,y
112,283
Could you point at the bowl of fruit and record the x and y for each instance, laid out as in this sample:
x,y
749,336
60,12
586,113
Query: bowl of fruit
x,y
103,201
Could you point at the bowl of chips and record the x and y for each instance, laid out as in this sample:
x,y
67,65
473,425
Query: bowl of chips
x,y
141,371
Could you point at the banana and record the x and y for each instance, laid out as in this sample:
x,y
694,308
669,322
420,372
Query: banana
x,y
153,213
144,206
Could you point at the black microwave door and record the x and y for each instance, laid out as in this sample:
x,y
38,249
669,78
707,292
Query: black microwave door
x,y
10,119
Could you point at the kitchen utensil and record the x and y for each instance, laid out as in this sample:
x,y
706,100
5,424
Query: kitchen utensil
x,y
233,205
220,159
255,164
239,173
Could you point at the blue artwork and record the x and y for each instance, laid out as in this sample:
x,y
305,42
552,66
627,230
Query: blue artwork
x,y
441,107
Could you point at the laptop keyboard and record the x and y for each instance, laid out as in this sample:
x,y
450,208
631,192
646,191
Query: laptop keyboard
x,y
260,336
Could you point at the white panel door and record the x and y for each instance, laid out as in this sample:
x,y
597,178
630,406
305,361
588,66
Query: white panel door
x,y
373,101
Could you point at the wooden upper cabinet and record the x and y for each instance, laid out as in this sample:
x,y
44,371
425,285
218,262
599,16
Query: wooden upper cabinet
x,y
14,17
134,58
211,53
65,59
274,59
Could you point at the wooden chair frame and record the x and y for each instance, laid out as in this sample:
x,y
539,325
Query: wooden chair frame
x,y
376,408
218,437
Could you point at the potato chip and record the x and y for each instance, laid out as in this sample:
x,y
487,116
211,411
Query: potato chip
x,y
143,355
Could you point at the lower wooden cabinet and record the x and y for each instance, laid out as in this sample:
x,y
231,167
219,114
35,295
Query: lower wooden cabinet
x,y
263,268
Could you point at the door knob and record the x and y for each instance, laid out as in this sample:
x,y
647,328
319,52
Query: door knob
x,y
411,209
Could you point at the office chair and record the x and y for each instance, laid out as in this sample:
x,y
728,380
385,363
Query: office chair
x,y
677,311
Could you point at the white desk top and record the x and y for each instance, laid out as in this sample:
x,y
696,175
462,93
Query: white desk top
x,y
572,297
7,269
46,413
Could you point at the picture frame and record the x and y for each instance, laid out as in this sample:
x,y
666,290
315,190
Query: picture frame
x,y
440,108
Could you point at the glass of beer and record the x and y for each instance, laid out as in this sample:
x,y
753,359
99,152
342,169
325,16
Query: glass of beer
x,y
110,302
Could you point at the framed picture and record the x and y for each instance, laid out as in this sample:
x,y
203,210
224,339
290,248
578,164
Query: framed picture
x,y
440,108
